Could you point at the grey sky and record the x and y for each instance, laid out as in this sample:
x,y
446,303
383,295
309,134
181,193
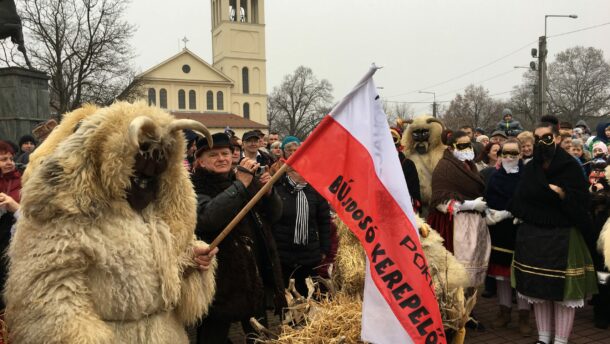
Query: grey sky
x,y
419,43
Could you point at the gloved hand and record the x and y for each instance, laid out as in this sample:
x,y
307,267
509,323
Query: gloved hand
x,y
495,216
477,205
517,221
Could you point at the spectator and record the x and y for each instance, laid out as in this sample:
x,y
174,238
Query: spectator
x,y
603,132
276,150
478,132
566,128
566,142
251,144
498,193
527,145
508,125
488,157
273,137
600,210
498,136
10,189
289,145
303,232
578,152
600,150
483,139
247,259
586,131
551,256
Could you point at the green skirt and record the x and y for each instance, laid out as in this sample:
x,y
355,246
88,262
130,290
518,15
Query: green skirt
x,y
535,268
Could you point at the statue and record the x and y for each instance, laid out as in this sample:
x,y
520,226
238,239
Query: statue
x,y
10,26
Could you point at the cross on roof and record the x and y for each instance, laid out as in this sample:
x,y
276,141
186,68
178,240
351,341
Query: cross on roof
x,y
185,40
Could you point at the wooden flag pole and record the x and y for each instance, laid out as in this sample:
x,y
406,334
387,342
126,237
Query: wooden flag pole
x,y
248,206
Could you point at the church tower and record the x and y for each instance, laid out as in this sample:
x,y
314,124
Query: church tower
x,y
238,46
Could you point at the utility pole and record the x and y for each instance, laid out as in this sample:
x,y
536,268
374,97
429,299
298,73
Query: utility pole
x,y
433,103
542,80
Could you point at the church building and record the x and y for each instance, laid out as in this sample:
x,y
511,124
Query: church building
x,y
230,92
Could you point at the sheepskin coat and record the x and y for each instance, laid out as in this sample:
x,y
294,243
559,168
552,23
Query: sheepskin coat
x,y
85,267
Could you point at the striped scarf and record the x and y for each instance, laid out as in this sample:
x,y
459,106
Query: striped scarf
x,y
301,228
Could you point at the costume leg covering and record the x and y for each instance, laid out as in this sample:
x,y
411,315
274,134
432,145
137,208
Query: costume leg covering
x,y
564,321
504,293
544,320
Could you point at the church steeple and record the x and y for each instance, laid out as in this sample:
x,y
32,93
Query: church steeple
x,y
238,45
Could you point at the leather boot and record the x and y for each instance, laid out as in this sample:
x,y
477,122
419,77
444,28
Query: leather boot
x,y
524,323
502,319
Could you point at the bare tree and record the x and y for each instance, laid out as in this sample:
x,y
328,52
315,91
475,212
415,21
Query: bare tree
x,y
396,110
82,44
299,103
475,108
579,84
523,101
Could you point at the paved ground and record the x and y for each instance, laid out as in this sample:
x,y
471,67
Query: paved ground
x,y
584,331
486,309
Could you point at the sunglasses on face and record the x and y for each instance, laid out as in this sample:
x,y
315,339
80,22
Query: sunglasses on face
x,y
510,154
546,139
462,146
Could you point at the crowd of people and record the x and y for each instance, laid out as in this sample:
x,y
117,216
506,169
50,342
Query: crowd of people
x,y
521,210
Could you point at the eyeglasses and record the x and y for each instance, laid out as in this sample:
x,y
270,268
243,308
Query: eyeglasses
x,y
509,154
462,146
546,139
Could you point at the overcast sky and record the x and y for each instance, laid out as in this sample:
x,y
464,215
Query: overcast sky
x,y
420,43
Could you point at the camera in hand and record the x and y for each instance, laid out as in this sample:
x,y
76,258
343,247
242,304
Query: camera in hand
x,y
260,170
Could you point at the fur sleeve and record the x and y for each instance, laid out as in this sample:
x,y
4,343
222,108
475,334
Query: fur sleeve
x,y
198,288
46,293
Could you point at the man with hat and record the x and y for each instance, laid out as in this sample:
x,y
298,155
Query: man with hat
x,y
498,136
252,144
248,261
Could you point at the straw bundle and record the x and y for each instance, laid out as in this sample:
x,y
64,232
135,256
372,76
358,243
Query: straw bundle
x,y
331,320
348,270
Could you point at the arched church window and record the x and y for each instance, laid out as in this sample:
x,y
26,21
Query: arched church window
x,y
246,110
210,100
220,102
192,100
181,100
163,98
245,80
152,96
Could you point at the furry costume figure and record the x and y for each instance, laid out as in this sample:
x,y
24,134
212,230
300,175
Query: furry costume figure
x,y
68,123
103,251
423,145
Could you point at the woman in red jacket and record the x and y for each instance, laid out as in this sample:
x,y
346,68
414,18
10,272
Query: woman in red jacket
x,y
10,188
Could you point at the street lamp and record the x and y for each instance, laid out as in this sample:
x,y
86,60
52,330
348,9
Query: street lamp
x,y
434,103
573,16
542,52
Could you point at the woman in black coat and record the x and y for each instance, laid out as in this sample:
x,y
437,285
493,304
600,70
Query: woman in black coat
x,y
302,234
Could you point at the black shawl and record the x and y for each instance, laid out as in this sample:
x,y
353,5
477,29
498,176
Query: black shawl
x,y
535,203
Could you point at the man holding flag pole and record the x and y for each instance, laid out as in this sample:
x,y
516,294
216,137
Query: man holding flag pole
x,y
363,182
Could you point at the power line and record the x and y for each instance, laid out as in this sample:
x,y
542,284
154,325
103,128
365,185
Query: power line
x,y
498,59
579,30
469,72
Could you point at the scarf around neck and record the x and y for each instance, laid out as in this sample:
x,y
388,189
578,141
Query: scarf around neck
x,y
301,227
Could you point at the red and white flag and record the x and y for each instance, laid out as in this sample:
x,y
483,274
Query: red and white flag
x,y
350,159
